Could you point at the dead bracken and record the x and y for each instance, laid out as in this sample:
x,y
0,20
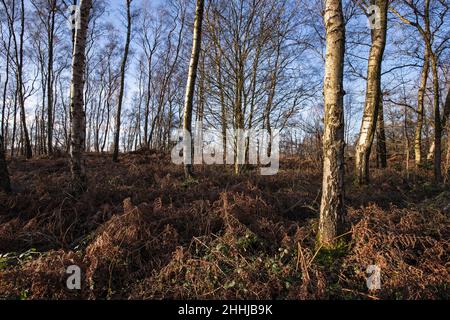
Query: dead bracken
x,y
141,232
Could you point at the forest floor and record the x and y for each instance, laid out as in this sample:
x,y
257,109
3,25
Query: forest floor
x,y
143,232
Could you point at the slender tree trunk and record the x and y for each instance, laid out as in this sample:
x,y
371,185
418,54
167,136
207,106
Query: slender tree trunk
x,y
14,129
5,184
190,87
444,122
105,137
239,120
28,150
78,124
381,137
50,79
6,136
122,83
5,90
253,96
373,94
437,122
223,107
147,113
420,110
406,143
148,98
447,123
332,205
269,106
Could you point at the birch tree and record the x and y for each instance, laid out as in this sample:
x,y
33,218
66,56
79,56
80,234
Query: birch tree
x,y
332,206
420,109
373,91
190,87
78,124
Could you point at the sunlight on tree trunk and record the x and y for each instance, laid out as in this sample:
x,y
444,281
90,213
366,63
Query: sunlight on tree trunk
x,y
373,94
190,87
437,122
332,206
420,110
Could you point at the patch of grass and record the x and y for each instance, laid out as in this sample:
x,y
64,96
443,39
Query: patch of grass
x,y
13,258
189,183
248,242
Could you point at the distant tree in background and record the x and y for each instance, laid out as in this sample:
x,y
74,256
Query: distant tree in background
x,y
122,82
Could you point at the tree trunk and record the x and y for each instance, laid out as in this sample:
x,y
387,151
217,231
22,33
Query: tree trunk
x,y
190,87
269,106
5,90
332,205
223,110
444,122
437,122
78,124
427,35
28,150
373,94
122,83
239,120
5,184
407,143
446,111
14,129
147,101
50,79
420,110
381,137
446,126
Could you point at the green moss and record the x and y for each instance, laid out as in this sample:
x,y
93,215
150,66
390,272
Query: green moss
x,y
327,256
